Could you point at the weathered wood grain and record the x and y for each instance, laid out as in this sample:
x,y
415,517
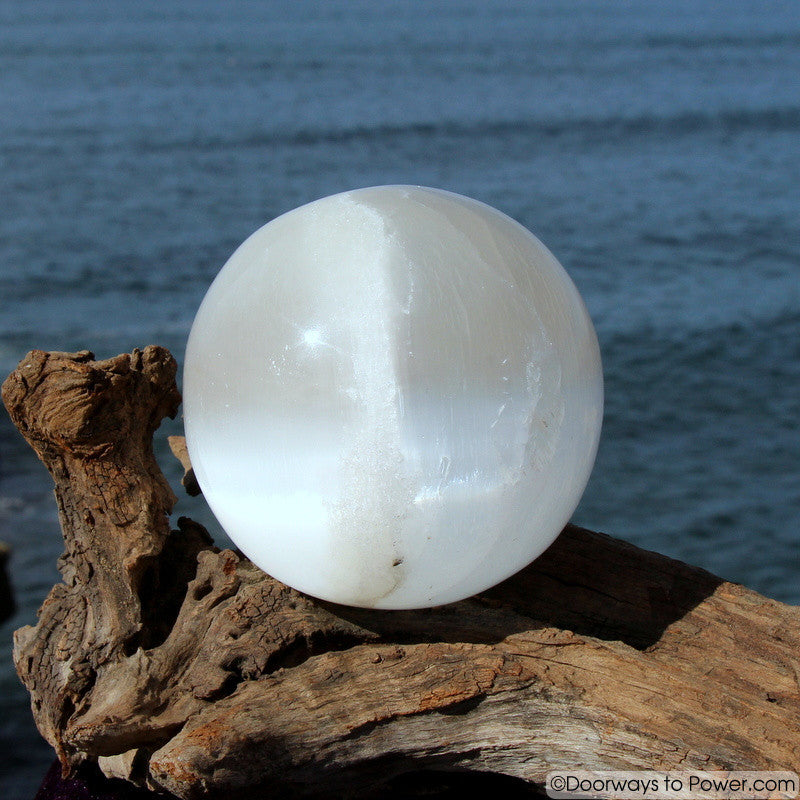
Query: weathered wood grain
x,y
185,668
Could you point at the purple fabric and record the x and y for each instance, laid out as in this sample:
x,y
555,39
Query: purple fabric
x,y
88,785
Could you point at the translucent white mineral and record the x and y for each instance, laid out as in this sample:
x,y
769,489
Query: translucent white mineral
x,y
393,397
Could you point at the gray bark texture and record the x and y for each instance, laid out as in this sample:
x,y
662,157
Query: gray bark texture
x,y
182,667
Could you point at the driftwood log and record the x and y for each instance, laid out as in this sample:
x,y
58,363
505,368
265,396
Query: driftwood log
x,y
183,667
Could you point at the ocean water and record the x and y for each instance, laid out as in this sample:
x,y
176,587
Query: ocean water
x,y
655,148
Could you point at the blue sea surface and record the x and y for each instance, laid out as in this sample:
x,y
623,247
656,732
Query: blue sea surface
x,y
655,148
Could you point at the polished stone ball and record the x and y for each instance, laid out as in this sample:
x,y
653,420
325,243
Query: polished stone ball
x,y
393,397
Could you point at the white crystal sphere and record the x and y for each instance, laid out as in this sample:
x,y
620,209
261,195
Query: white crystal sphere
x,y
393,397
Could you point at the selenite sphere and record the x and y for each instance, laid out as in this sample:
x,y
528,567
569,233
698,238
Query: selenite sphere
x,y
393,397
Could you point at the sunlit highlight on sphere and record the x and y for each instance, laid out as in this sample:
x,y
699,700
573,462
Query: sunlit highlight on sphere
x,y
393,397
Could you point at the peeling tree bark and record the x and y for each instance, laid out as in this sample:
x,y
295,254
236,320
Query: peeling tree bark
x,y
185,668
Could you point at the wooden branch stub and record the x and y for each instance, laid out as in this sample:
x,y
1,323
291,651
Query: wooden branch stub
x,y
189,481
185,668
